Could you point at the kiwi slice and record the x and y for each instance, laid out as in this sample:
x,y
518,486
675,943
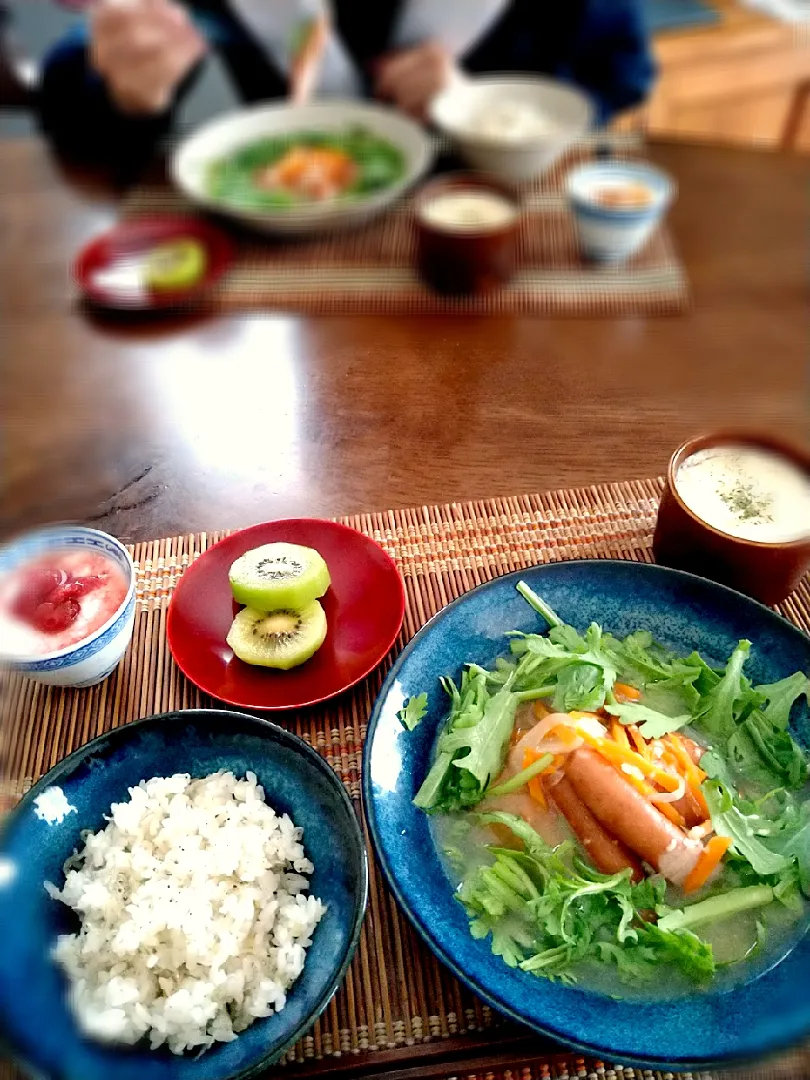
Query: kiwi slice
x,y
177,264
279,576
278,639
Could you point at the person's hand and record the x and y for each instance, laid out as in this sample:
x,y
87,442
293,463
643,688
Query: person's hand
x,y
143,49
410,79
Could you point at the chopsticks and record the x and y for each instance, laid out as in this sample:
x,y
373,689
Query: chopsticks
x,y
307,60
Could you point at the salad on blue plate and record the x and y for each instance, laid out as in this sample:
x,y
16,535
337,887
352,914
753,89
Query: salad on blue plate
x,y
606,807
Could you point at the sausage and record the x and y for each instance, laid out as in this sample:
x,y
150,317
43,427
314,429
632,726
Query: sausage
x,y
630,817
522,805
689,809
694,751
607,853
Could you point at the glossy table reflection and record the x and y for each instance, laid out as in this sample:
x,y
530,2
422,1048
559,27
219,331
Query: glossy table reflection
x,y
154,428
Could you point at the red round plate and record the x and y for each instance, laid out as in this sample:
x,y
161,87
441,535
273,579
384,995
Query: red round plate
x,y
364,609
106,270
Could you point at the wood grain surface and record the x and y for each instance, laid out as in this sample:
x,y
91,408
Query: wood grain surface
x,y
153,427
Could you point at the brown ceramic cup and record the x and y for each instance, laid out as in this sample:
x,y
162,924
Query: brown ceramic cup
x,y
767,571
466,260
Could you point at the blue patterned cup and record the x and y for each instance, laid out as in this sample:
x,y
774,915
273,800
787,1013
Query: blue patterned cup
x,y
95,657
617,205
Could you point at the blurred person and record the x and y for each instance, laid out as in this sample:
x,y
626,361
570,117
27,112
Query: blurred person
x,y
111,91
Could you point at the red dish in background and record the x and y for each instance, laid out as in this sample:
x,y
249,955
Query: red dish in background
x,y
364,606
100,268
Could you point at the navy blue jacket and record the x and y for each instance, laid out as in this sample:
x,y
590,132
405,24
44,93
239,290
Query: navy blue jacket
x,y
601,45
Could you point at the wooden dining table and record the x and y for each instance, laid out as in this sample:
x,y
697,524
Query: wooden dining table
x,y
150,427
160,426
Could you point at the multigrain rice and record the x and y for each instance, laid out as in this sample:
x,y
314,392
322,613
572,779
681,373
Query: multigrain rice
x,y
194,914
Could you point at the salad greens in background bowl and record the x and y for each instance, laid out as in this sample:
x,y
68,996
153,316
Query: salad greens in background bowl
x,y
588,787
297,170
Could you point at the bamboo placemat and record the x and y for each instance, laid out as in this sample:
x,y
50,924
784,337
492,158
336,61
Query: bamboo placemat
x,y
371,269
794,1067
396,995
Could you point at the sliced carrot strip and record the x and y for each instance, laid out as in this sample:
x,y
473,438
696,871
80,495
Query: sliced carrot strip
x,y
682,755
639,741
535,785
540,710
640,785
565,734
701,801
663,778
694,775
537,793
615,753
629,693
555,764
669,811
710,858
619,734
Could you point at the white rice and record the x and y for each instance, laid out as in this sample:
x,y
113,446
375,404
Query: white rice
x,y
194,914
512,121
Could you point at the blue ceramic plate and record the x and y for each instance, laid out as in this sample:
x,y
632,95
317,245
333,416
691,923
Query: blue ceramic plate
x,y
34,1020
684,613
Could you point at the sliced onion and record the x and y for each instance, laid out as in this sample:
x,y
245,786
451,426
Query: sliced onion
x,y
536,738
670,796
544,726
557,746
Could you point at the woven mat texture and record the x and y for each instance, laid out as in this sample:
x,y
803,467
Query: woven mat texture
x,y
371,269
396,994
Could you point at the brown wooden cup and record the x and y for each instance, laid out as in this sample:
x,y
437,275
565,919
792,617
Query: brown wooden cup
x,y
466,261
767,571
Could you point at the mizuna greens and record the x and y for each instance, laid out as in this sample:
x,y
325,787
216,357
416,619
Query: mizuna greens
x,y
687,737
243,177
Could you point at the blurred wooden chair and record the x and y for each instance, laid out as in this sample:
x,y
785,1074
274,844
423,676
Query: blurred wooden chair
x,y
796,118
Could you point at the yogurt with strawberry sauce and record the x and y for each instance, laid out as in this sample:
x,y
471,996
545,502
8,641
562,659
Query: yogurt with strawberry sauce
x,y
58,599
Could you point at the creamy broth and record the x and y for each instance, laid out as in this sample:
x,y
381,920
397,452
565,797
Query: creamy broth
x,y
745,945
469,211
741,957
748,492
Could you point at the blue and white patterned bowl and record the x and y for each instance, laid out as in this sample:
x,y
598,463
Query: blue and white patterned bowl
x,y
95,657
612,234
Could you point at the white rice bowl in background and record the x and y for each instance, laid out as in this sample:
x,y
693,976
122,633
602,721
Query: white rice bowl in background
x,y
194,912
513,127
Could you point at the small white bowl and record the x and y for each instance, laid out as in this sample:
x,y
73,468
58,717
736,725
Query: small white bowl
x,y
95,657
191,163
568,110
611,234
